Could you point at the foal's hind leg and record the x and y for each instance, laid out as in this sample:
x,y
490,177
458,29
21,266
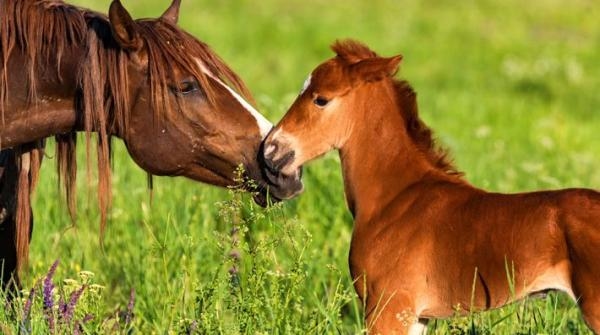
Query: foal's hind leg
x,y
591,314
585,287
582,222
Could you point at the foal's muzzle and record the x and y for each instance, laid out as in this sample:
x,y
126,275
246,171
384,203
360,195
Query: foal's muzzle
x,y
280,186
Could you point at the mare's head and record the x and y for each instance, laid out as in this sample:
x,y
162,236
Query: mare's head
x,y
184,111
333,99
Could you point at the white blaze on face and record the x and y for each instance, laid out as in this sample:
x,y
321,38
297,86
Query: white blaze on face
x,y
306,84
264,125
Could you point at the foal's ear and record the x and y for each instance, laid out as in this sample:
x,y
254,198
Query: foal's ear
x,y
123,27
171,15
374,69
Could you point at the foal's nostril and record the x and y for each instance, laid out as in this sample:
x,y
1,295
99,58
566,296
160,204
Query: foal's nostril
x,y
284,160
276,155
270,149
274,161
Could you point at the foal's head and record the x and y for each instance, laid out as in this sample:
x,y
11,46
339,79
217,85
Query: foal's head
x,y
335,96
183,116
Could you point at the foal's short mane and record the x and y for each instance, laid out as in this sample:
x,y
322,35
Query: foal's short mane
x,y
46,30
418,131
351,52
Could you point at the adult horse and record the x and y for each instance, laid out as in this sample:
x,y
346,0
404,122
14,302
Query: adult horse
x,y
179,109
424,239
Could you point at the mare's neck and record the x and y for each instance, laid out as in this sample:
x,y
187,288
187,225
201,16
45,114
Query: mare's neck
x,y
57,107
52,109
379,160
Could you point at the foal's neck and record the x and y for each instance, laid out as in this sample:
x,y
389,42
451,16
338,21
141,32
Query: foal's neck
x,y
380,160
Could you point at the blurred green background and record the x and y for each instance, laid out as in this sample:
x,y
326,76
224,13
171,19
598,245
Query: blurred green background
x,y
510,87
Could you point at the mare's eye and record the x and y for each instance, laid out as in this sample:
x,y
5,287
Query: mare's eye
x,y
187,86
321,101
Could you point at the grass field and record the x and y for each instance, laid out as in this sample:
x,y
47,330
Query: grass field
x,y
511,87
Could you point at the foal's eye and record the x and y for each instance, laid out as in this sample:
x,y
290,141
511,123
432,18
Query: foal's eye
x,y
187,86
321,101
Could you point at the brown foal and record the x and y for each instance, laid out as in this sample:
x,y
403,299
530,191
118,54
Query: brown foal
x,y
424,239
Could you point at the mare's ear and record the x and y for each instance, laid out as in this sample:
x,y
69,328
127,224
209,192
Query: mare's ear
x,y
374,69
171,15
123,27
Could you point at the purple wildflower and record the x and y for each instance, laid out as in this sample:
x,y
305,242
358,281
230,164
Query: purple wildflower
x,y
48,286
25,324
62,305
47,289
28,302
129,314
70,307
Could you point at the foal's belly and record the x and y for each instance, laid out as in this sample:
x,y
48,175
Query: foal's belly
x,y
556,277
553,278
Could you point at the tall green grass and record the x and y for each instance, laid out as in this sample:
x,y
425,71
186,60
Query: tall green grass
x,y
509,86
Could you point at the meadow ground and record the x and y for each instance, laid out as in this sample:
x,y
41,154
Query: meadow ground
x,y
511,87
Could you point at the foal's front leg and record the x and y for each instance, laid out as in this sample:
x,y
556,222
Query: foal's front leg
x,y
396,324
396,317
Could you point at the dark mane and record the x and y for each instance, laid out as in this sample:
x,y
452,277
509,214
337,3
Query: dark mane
x,y
418,131
42,31
45,30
